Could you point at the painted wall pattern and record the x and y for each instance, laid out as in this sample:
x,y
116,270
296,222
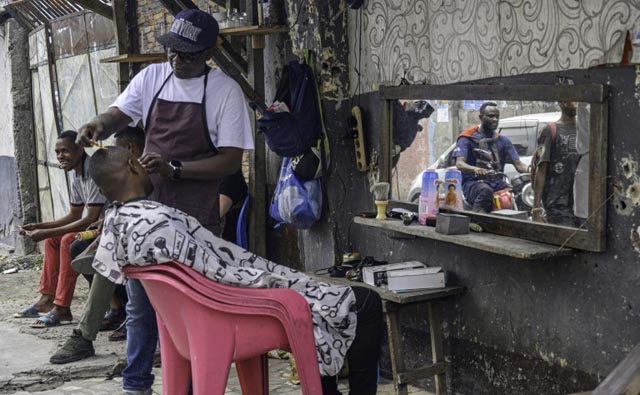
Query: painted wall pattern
x,y
447,41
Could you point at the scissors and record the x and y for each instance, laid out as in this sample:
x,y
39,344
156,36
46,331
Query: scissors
x,y
135,235
332,311
98,145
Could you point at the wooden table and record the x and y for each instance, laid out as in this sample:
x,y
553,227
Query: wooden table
x,y
392,305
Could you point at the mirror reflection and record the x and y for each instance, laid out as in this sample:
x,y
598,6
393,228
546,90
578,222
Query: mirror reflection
x,y
523,160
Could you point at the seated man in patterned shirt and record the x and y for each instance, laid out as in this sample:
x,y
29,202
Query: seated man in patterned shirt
x,y
140,232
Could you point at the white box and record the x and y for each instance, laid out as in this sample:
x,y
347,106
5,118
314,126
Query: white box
x,y
415,279
377,275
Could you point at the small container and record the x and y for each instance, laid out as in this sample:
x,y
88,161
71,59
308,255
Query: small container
x,y
453,190
87,234
429,199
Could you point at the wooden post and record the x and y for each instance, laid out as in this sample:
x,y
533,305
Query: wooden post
x,y
258,157
437,354
396,348
122,40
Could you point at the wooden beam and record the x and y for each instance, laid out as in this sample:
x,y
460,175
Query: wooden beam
x,y
95,6
122,40
233,72
592,93
234,56
172,6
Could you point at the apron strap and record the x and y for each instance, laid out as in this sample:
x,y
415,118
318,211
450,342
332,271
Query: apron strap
x,y
204,111
155,97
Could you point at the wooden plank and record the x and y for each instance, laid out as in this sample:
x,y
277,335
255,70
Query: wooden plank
x,y
437,352
233,72
384,161
592,93
422,373
402,298
234,56
497,244
95,6
122,40
598,199
171,6
136,58
253,30
258,177
625,377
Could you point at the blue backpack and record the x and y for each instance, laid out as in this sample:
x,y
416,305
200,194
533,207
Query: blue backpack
x,y
290,134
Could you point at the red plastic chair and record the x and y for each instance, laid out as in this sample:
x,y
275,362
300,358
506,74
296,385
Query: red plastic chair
x,y
204,326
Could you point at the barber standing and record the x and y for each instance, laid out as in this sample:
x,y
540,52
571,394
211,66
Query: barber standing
x,y
196,128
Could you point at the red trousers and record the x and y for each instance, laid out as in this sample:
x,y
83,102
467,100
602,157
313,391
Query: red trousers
x,y
58,278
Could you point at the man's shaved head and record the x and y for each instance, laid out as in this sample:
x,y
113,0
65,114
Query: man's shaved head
x,y
117,172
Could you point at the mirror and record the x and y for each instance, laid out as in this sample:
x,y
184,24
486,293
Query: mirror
x,y
476,146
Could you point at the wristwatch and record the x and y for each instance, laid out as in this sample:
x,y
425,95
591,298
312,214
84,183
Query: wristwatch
x,y
176,166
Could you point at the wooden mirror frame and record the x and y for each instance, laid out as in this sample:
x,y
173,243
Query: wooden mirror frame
x,y
593,237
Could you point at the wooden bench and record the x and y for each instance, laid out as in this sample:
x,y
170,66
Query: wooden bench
x,y
393,304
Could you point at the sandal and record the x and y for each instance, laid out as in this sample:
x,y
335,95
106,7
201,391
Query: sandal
x,y
113,319
29,312
49,320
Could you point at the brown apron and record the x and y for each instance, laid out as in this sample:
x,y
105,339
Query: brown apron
x,y
179,131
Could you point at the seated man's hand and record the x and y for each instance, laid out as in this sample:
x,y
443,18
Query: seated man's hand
x,y
36,235
25,228
479,172
96,225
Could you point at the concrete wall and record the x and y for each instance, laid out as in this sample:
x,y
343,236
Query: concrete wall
x,y
18,186
549,327
546,327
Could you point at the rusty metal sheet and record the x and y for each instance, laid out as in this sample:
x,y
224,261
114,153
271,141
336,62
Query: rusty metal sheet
x,y
100,32
105,78
70,37
75,88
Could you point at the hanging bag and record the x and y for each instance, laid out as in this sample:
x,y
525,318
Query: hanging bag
x,y
297,203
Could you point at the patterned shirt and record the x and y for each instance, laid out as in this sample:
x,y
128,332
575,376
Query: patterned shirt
x,y
144,232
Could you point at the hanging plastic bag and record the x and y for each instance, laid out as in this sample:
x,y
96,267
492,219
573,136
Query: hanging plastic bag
x,y
295,202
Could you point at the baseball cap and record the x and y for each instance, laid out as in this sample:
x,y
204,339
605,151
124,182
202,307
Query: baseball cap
x,y
191,31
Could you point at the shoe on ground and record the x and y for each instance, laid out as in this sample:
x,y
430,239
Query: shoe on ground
x,y
119,334
75,349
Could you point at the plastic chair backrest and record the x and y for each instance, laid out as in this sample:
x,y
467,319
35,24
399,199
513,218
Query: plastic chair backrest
x,y
242,235
190,305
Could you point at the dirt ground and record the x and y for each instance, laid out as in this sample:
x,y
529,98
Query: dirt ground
x,y
25,351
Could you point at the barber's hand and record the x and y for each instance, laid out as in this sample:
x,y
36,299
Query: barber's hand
x,y
479,172
36,235
154,163
90,133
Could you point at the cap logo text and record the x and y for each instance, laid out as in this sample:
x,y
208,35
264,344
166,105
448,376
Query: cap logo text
x,y
185,29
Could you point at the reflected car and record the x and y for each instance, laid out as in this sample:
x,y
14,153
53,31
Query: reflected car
x,y
523,133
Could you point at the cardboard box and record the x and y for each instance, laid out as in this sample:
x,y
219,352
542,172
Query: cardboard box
x,y
452,224
377,275
415,279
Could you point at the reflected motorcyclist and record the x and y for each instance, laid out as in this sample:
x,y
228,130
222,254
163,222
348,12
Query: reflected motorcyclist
x,y
480,153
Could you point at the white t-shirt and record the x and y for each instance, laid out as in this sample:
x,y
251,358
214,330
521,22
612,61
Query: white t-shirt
x,y
226,108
